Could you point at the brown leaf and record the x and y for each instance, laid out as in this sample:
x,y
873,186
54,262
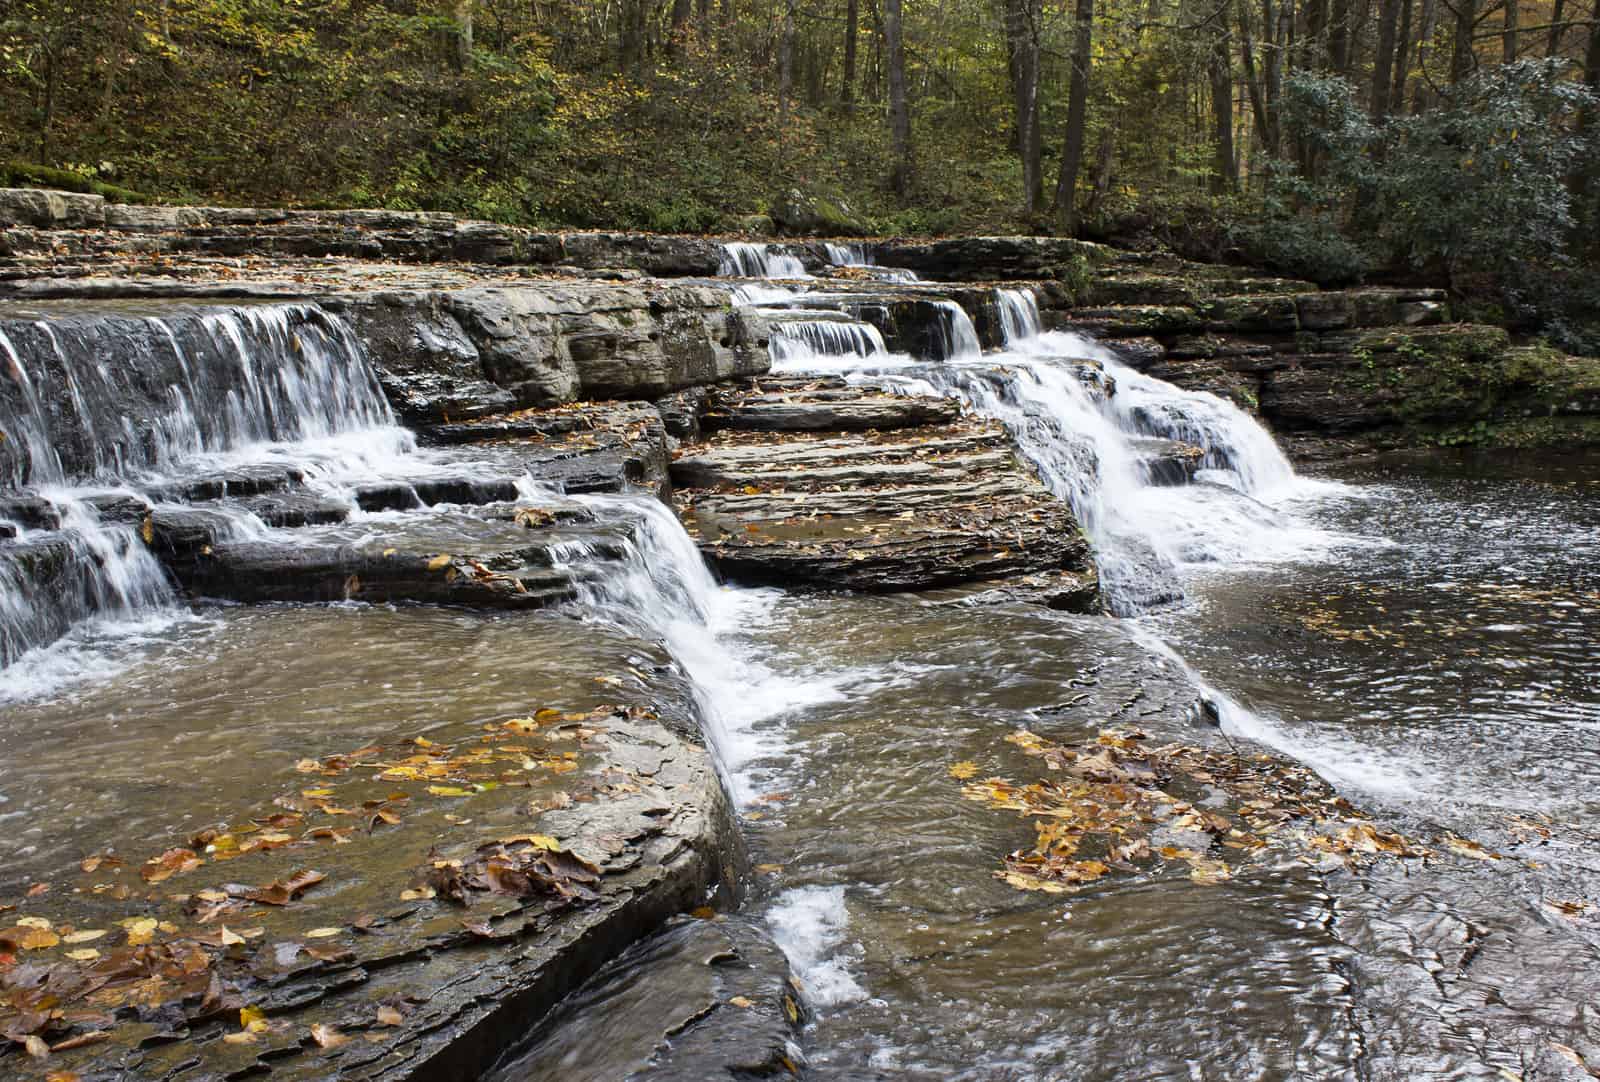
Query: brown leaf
x,y
172,862
284,891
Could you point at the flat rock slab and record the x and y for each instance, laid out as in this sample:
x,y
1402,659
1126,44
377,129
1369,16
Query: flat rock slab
x,y
913,506
403,909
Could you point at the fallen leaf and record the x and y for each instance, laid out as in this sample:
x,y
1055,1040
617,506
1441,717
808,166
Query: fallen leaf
x,y
323,933
326,1036
87,954
963,770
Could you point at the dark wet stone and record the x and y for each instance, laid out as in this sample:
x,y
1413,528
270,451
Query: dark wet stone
x,y
1167,462
387,496
124,508
276,571
30,512
976,259
930,501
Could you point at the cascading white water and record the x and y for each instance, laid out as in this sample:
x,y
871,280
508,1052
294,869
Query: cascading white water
x,y
818,343
859,255
152,402
1019,315
666,592
741,259
955,337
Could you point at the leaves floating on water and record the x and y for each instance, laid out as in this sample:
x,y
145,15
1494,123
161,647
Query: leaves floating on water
x,y
963,770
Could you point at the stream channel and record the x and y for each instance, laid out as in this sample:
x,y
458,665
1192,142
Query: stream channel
x,y
1421,632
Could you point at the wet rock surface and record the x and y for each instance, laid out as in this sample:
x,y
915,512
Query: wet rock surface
x,y
928,499
402,909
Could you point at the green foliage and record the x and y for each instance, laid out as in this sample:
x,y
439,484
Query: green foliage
x,y
1475,190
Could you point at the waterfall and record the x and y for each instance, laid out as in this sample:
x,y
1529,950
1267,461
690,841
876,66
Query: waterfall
x,y
741,259
1019,315
1091,425
859,255
146,393
954,336
666,593
145,406
808,344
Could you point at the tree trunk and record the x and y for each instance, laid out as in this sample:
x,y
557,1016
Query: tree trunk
x,y
463,34
1077,105
1314,46
1277,28
1462,59
1586,178
1419,100
1252,80
1383,60
1105,154
1224,177
852,20
1402,58
630,35
899,108
785,67
1557,31
682,11
1022,46
1339,37
1508,36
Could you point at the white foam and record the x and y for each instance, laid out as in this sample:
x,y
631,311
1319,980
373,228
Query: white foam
x,y
809,924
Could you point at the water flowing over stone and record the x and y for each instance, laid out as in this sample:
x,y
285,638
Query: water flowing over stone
x,y
146,392
954,336
156,408
861,256
804,343
741,259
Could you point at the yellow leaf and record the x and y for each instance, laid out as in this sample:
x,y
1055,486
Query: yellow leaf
x,y
32,922
141,930
448,790
742,1001
87,954
249,1016
963,770
86,936
440,561
323,933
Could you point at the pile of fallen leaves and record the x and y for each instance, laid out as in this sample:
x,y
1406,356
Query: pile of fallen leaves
x,y
1118,802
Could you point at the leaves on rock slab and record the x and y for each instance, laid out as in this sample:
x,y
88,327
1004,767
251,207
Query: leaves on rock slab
x,y
1106,797
284,891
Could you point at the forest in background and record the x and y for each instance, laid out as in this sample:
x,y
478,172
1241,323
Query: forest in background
x,y
1448,141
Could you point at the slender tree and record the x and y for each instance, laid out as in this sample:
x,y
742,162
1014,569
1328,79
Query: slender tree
x,y
1066,206
899,107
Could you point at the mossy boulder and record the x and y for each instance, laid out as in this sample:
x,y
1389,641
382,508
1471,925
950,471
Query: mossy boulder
x,y
798,213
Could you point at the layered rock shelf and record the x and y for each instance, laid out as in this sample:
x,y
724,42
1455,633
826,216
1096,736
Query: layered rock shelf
x,y
813,482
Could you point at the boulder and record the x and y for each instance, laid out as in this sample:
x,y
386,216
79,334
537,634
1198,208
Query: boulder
x,y
43,208
799,213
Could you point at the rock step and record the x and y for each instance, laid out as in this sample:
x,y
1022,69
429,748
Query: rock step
x,y
820,406
930,503
1281,313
